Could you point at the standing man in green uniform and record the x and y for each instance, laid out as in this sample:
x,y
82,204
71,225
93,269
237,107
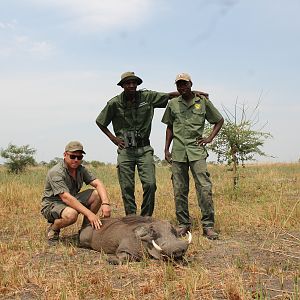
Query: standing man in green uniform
x,y
185,118
62,200
131,114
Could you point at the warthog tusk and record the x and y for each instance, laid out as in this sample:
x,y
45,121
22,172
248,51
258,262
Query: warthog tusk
x,y
156,246
190,237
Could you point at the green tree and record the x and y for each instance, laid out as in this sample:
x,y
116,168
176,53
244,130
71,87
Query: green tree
x,y
18,158
238,141
54,161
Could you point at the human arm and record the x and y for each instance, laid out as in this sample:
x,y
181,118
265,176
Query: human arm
x,y
200,93
168,120
169,138
197,93
106,116
71,201
118,142
105,209
206,140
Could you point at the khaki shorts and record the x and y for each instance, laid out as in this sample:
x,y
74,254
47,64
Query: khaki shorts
x,y
53,209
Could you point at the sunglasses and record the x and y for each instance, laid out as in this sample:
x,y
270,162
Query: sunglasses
x,y
73,156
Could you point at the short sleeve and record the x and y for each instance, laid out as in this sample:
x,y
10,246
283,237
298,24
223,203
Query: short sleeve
x,y
213,116
106,115
157,99
57,184
167,117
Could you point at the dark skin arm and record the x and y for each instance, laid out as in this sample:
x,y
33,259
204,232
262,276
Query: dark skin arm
x,y
169,138
118,142
197,93
206,140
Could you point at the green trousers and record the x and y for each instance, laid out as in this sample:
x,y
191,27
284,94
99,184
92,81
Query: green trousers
x,y
203,185
128,160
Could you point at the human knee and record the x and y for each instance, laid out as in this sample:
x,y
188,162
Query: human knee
x,y
70,215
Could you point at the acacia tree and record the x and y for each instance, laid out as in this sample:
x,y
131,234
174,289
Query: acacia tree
x,y
237,140
18,158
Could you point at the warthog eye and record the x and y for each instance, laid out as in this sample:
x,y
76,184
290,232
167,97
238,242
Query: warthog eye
x,y
173,231
154,234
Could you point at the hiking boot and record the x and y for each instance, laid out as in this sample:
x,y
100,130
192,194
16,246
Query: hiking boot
x,y
209,233
183,230
52,235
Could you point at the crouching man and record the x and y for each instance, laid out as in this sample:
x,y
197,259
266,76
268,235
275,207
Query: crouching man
x,y
62,200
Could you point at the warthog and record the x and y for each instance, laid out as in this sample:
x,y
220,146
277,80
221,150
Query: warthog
x,y
131,237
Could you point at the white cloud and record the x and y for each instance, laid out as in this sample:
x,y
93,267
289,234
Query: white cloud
x,y
99,15
13,43
8,25
23,44
42,49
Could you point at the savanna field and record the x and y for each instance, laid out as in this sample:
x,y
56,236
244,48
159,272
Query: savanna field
x,y
256,257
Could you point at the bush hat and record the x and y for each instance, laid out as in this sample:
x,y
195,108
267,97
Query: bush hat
x,y
129,76
184,77
74,146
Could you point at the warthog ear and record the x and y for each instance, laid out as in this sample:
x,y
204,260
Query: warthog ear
x,y
143,233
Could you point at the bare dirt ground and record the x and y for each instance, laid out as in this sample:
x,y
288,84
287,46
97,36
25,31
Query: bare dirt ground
x,y
268,263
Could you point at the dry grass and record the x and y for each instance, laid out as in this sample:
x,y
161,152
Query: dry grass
x,y
257,257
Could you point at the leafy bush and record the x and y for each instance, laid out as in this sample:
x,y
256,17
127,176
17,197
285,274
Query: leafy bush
x,y
18,158
238,141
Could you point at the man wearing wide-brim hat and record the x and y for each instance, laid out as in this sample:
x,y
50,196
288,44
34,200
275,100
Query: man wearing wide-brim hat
x,y
131,114
129,76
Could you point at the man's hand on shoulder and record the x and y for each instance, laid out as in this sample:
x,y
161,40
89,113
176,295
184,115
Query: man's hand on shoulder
x,y
200,93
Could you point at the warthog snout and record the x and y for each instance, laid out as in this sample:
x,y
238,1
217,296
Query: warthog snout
x,y
174,247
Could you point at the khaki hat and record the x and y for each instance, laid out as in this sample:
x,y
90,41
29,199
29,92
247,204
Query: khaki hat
x,y
184,77
74,146
129,76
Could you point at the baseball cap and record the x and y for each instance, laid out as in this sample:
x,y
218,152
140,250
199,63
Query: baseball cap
x,y
184,77
74,146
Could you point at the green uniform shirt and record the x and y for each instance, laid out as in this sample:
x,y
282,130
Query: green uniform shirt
x,y
136,118
188,122
59,180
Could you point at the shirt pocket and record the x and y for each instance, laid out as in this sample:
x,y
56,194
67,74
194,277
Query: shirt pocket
x,y
144,110
197,116
58,185
178,116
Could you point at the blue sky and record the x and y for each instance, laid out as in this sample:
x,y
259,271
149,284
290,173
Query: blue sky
x,y
61,59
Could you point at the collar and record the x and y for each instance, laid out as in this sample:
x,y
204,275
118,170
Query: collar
x,y
124,99
66,167
191,103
